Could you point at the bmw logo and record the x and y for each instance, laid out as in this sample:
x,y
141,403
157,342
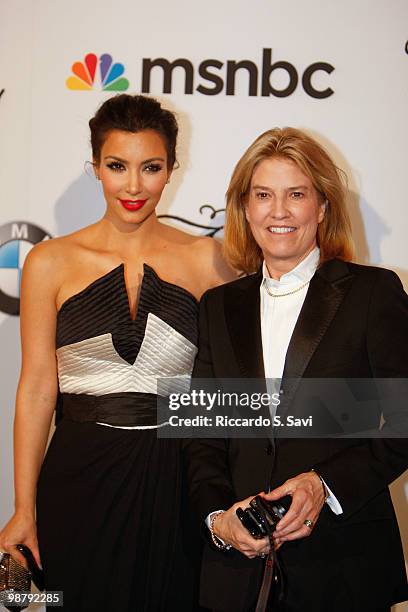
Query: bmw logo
x,y
16,240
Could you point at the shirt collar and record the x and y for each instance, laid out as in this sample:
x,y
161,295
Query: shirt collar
x,y
302,273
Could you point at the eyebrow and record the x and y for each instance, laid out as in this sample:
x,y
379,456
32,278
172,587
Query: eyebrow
x,y
125,161
288,188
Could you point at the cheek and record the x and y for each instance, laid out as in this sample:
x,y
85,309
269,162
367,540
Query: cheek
x,y
255,214
312,217
156,184
110,182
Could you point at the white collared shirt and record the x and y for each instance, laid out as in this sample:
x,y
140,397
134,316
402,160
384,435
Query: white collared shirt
x,y
279,314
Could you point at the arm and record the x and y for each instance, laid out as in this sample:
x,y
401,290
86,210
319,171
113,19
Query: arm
x,y
374,464
209,479
36,396
210,482
359,473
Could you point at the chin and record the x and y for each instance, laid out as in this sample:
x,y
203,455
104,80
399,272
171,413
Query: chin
x,y
136,216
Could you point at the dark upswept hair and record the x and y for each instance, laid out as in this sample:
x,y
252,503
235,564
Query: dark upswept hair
x,y
333,233
133,114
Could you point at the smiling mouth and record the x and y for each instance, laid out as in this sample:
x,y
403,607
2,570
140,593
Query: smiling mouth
x,y
133,204
280,230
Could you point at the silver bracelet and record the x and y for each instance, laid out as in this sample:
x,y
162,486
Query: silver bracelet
x,y
216,540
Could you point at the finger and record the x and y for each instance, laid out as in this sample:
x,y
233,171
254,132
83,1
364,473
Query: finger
x,y
294,525
37,558
244,538
250,555
277,493
299,523
303,532
17,556
256,547
248,550
263,554
252,543
33,546
244,503
261,550
300,505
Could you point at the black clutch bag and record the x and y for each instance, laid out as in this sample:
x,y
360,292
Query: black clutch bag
x,y
15,578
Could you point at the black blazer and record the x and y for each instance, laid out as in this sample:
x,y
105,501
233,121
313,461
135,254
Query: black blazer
x,y
354,324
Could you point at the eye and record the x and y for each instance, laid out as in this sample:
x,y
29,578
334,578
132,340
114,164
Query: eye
x,y
153,168
116,166
297,195
261,195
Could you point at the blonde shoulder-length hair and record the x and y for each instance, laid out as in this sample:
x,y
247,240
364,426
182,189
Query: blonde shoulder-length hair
x,y
334,232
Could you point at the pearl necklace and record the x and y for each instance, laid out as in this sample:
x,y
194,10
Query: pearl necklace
x,y
277,295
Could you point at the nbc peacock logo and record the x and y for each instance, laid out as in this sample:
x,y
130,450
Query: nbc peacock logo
x,y
85,75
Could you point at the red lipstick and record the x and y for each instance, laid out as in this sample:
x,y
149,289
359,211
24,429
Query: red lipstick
x,y
133,204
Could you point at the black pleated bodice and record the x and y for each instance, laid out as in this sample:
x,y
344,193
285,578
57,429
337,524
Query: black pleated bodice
x,y
103,307
105,356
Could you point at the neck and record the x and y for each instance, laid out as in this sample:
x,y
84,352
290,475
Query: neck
x,y
128,238
278,267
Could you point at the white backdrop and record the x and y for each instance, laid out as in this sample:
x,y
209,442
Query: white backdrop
x,y
44,142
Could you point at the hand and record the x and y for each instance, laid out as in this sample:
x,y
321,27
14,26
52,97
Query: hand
x,y
307,501
21,529
229,528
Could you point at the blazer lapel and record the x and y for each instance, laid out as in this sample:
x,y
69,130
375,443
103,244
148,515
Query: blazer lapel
x,y
243,316
326,292
242,309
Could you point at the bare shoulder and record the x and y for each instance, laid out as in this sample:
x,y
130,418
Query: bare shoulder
x,y
176,236
58,251
207,257
203,264
42,257
47,261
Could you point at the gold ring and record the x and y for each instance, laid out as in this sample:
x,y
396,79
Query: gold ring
x,y
308,523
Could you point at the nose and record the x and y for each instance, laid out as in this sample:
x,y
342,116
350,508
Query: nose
x,y
279,209
134,182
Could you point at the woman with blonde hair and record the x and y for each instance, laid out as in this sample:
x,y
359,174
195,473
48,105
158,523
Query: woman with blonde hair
x,y
304,311
333,233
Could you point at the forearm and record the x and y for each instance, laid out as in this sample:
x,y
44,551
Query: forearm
x,y
209,479
34,411
361,472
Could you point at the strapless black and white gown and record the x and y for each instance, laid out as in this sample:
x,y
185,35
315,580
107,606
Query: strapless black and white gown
x,y
110,492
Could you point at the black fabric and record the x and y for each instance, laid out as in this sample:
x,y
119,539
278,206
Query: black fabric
x,y
353,324
121,409
111,502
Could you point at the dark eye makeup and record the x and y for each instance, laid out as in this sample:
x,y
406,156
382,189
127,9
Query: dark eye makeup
x,y
116,166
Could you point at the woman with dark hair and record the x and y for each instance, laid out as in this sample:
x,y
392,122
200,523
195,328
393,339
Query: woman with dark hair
x,y
106,312
303,312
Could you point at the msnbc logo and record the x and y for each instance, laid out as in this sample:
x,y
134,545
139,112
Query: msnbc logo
x,y
110,74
